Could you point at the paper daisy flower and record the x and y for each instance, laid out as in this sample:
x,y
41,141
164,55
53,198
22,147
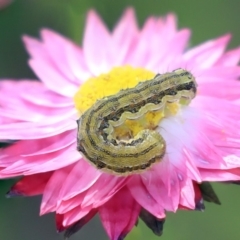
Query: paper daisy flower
x,y
201,137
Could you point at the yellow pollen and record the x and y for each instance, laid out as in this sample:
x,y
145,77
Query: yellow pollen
x,y
108,84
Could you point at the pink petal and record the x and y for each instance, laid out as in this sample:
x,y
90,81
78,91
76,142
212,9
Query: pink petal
x,y
86,193
219,107
33,91
51,76
207,54
143,197
97,50
230,58
161,190
52,189
80,179
30,185
40,163
67,56
76,214
163,33
229,90
77,225
31,101
170,54
109,185
220,175
25,130
59,222
187,195
203,75
119,214
125,35
65,206
40,146
68,157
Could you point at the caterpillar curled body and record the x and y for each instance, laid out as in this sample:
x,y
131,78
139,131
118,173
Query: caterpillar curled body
x,y
121,156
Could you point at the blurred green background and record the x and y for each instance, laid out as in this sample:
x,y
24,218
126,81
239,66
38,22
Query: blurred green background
x,y
208,19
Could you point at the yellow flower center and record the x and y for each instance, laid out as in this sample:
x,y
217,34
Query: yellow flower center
x,y
111,83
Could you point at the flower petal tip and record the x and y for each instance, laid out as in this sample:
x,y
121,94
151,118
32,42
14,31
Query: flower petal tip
x,y
155,224
200,206
208,193
14,193
92,15
121,237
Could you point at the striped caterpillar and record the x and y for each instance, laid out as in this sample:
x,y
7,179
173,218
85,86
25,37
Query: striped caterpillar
x,y
124,156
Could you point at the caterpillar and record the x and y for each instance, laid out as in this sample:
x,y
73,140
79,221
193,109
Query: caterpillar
x,y
124,156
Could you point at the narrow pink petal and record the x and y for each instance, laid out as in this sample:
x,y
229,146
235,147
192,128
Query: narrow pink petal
x,y
6,161
179,151
187,195
209,53
230,58
57,46
143,197
39,146
80,179
171,24
125,35
25,130
47,98
218,107
173,179
205,154
232,161
170,55
97,50
6,120
109,185
52,189
59,222
77,64
75,214
144,45
220,175
162,40
158,189
68,205
32,91
193,171
68,157
203,75
18,165
229,90
139,54
30,185
15,106
62,52
25,111
52,144
51,76
119,214
77,225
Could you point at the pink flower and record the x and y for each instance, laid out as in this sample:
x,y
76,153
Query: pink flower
x,y
202,139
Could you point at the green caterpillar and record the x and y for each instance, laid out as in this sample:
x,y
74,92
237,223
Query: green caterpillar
x,y
127,156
